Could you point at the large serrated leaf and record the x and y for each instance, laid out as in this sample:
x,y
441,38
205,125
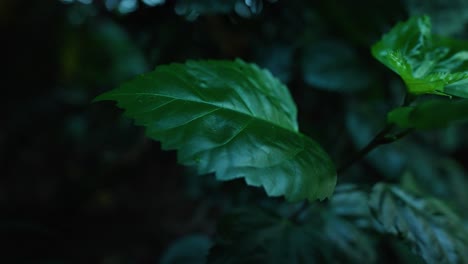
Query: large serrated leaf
x,y
430,114
432,230
427,63
231,118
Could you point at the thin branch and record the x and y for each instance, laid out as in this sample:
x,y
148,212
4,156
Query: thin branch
x,y
380,139
383,137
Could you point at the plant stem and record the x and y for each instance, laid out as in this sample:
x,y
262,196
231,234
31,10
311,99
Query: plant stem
x,y
382,138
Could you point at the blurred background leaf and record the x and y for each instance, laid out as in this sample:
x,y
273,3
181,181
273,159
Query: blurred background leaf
x,y
432,229
189,249
334,66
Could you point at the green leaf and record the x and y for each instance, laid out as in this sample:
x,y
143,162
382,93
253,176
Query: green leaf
x,y
440,177
334,66
431,114
350,244
351,202
191,249
427,63
257,236
432,230
449,17
231,118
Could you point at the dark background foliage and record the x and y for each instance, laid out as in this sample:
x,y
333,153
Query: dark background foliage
x,y
82,184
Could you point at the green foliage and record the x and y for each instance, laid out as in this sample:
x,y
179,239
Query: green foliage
x,y
427,63
190,249
448,17
236,120
256,236
82,184
191,9
231,118
432,230
334,66
431,114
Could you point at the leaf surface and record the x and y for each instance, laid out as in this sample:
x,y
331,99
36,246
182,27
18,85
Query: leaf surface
x,y
231,118
432,230
188,249
257,236
427,63
432,114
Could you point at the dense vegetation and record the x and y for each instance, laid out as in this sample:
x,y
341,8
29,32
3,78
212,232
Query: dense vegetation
x,y
359,105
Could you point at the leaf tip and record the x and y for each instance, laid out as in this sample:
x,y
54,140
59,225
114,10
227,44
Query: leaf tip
x,y
102,97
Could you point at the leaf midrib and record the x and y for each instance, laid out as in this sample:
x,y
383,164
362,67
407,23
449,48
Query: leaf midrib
x,y
296,152
209,104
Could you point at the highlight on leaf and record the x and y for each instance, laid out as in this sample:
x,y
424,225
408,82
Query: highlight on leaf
x,y
427,63
231,118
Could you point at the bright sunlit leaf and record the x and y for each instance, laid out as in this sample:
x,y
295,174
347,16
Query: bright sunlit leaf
x,y
427,63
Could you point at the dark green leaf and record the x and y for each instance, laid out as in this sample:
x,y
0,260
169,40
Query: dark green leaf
x,y
433,175
427,63
231,118
448,16
191,249
255,236
350,244
430,114
432,230
334,66
350,202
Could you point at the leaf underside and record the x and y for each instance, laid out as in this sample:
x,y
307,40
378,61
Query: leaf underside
x,y
427,63
231,118
432,230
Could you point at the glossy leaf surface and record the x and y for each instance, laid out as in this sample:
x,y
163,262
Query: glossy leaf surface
x,y
231,118
427,63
